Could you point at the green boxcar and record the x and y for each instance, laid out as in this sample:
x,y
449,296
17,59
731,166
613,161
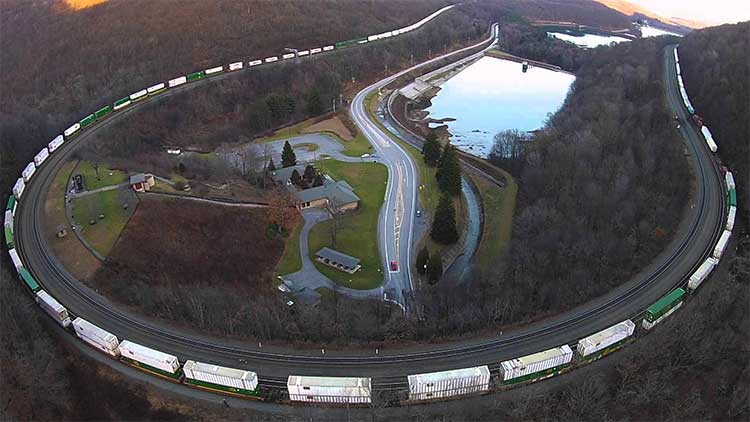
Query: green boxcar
x,y
349,43
663,305
29,280
11,204
103,112
122,101
195,76
9,237
88,120
732,198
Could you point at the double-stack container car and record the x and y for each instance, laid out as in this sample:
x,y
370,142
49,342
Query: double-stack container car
x,y
663,308
214,377
344,390
457,382
536,366
97,337
150,360
606,341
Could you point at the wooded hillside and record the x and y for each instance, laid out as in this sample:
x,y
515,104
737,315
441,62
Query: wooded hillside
x,y
716,72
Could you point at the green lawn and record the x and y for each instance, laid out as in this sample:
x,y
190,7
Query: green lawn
x,y
106,176
358,235
499,204
291,261
56,194
307,146
286,132
103,235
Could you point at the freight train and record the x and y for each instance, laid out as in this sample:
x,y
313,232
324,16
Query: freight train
x,y
347,390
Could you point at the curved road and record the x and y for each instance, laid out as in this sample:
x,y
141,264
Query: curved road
x,y
702,223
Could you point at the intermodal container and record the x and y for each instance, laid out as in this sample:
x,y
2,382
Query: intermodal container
x,y
303,53
29,280
729,179
97,337
328,48
121,103
87,121
709,138
28,171
663,308
254,62
271,59
16,260
721,245
316,50
150,359
235,66
8,221
214,70
732,198
220,378
287,56
137,96
195,76
155,89
103,112
537,365
177,81
597,344
11,205
72,130
18,188
730,218
55,143
53,308
452,383
329,389
41,156
8,231
700,275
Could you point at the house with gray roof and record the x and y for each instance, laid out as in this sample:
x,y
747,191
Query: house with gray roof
x,y
338,260
330,194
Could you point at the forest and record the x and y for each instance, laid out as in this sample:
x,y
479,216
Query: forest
x,y
714,68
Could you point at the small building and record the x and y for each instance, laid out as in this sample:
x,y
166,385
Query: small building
x,y
333,194
338,260
142,182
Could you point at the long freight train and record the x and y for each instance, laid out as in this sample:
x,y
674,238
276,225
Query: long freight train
x,y
347,390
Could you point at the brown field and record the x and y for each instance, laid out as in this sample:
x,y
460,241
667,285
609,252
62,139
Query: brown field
x,y
170,242
333,125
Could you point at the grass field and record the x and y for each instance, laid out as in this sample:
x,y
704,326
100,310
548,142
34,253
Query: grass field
x,y
103,235
307,146
499,204
106,176
286,132
358,235
291,261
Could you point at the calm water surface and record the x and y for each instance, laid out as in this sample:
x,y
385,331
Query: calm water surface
x,y
493,95
588,40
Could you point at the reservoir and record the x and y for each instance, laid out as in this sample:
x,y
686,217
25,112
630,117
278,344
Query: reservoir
x,y
588,40
493,95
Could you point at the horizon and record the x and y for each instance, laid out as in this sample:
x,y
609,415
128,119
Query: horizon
x,y
720,12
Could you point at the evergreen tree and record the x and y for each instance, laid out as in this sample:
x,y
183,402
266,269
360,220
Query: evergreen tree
x,y
271,165
296,178
314,102
431,150
434,268
449,172
309,174
288,157
422,258
444,224
318,180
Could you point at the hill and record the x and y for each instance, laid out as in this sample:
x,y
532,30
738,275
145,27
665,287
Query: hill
x,y
631,9
715,69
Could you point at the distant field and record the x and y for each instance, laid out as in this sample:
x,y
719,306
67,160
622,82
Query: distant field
x,y
291,261
358,235
498,205
103,235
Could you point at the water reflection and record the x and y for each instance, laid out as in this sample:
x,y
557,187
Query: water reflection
x,y
493,95
588,40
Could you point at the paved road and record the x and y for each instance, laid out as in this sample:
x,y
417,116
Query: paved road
x,y
701,225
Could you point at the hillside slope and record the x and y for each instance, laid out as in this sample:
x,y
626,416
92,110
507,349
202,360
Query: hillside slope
x,y
715,68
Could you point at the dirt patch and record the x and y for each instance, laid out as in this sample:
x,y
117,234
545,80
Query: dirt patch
x,y
71,253
333,125
169,242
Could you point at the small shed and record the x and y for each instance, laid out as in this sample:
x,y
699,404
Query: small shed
x,y
338,260
142,182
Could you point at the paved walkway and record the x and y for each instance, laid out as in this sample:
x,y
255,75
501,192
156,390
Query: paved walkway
x,y
226,203
95,191
304,282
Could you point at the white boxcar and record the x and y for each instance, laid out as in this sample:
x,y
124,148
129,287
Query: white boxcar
x,y
677,66
255,62
729,178
676,57
156,88
287,56
449,383
18,188
303,53
8,221
217,69
138,95
72,130
526,367
605,338
702,272
709,138
55,143
328,48
149,358
220,376
177,81
271,59
329,389
721,245
16,260
51,306
41,156
730,218
97,337
235,66
28,171
316,50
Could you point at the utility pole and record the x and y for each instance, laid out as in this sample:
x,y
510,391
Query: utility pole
x,y
333,100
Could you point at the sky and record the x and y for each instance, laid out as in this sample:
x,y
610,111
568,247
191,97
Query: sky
x,y
713,11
